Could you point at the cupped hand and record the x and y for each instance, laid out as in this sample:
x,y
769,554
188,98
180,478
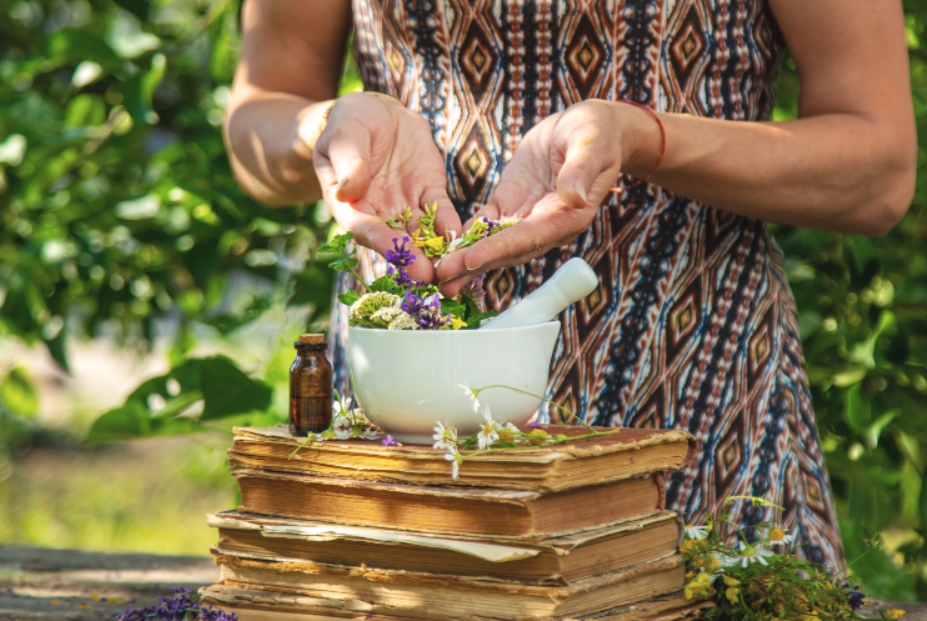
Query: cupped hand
x,y
561,172
374,160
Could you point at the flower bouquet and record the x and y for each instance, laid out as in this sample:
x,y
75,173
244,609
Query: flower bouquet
x,y
759,577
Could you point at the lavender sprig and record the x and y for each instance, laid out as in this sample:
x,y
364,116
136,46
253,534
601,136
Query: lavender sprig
x,y
177,607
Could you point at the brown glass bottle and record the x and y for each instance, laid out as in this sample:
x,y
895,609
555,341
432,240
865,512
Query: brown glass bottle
x,y
310,386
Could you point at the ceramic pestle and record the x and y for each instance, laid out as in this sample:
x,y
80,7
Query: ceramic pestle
x,y
573,281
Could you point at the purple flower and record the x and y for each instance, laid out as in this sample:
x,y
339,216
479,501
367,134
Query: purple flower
x,y
475,291
855,598
400,256
390,441
402,277
427,311
491,225
177,607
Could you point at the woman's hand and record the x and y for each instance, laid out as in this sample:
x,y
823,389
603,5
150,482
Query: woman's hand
x,y
375,159
561,172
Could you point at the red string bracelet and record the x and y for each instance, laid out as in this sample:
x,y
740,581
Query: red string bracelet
x,y
656,118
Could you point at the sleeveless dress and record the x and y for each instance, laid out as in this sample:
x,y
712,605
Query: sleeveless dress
x,y
693,325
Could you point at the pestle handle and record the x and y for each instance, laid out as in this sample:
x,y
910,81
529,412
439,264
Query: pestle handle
x,y
573,281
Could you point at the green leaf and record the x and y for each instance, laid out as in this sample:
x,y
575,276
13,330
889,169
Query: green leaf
x,y
132,420
385,283
337,245
70,47
139,90
874,432
57,348
859,411
18,394
228,391
349,297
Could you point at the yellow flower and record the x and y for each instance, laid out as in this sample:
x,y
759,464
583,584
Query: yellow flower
x,y
435,243
537,437
506,435
699,587
894,613
457,323
732,593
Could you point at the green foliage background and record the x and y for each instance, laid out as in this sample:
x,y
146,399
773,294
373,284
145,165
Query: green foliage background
x,y
120,218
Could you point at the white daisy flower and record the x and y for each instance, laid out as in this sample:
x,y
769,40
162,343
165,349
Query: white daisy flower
x,y
455,458
445,437
748,554
696,532
489,432
778,537
341,406
472,395
343,427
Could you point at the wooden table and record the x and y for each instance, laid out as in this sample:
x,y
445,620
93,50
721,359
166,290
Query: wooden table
x,y
75,585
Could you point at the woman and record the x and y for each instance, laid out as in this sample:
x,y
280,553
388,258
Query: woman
x,y
537,108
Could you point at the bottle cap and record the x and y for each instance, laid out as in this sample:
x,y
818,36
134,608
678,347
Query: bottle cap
x,y
311,339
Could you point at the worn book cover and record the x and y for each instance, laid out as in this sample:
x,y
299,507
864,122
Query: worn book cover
x,y
451,510
629,453
257,604
455,596
558,560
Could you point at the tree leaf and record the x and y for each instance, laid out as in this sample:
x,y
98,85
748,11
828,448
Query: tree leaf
x,y
859,411
228,391
18,393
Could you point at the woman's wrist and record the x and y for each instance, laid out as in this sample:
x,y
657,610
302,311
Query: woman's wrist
x,y
644,138
312,121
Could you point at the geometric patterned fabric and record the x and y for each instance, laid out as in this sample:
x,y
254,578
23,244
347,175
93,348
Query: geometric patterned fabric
x,y
693,325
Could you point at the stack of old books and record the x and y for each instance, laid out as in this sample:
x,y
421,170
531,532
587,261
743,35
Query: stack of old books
x,y
357,530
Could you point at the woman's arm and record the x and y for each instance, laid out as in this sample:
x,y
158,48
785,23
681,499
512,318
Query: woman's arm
x,y
848,163
290,65
290,142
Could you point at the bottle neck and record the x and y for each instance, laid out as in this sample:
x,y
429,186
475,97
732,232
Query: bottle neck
x,y
304,349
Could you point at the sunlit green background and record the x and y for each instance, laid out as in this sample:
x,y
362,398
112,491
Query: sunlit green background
x,y
137,282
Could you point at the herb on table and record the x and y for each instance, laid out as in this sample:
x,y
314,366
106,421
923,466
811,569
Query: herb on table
x,y
759,578
177,607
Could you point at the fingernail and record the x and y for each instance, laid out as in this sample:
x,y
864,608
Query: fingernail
x,y
343,183
582,193
474,268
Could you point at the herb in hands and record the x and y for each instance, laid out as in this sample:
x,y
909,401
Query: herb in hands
x,y
396,301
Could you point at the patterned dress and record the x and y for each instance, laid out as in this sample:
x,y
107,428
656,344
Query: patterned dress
x,y
693,325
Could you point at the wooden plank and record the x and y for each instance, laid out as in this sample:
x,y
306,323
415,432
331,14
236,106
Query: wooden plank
x,y
76,585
